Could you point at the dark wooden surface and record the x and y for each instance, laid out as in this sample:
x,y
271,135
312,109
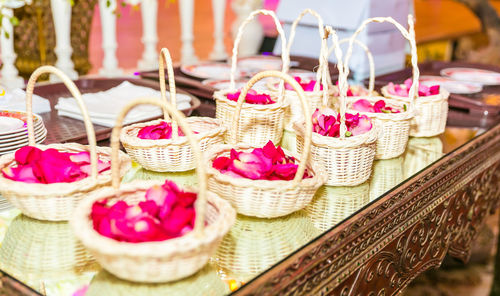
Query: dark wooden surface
x,y
64,129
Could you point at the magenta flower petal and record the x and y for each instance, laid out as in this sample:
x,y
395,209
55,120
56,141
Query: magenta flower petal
x,y
27,154
362,105
20,173
364,125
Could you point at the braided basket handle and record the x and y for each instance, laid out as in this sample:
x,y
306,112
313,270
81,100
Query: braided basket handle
x,y
180,119
321,31
408,35
234,59
371,63
305,107
77,96
165,58
343,86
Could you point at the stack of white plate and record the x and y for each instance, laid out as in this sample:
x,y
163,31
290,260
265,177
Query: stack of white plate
x,y
13,130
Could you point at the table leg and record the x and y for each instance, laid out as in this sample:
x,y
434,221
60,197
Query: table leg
x,y
109,44
61,15
10,78
186,8
219,50
149,10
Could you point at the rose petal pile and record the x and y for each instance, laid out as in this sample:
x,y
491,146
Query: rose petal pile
x,y
402,90
163,130
167,212
379,106
266,163
50,166
252,97
326,122
306,85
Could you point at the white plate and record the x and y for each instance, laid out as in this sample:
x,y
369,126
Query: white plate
x,y
15,147
9,124
209,70
483,77
20,135
25,141
453,86
37,120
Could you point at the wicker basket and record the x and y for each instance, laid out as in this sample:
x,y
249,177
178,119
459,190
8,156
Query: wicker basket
x,y
175,154
348,160
431,113
253,245
258,123
387,174
37,251
331,205
56,201
161,261
206,282
421,153
395,126
264,198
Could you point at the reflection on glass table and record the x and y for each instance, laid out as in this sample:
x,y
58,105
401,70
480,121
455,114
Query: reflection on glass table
x,y
46,256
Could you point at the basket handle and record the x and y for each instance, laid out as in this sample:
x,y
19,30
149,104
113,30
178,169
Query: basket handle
x,y
408,35
180,119
343,86
165,58
321,31
78,97
234,59
305,107
371,63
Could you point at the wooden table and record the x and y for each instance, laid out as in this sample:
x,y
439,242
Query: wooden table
x,y
372,239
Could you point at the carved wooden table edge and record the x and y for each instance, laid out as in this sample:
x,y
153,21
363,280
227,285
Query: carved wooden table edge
x,y
10,286
411,229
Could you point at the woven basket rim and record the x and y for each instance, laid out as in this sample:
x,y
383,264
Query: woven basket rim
x,y
137,142
406,115
91,239
319,175
349,142
220,95
273,89
441,96
44,190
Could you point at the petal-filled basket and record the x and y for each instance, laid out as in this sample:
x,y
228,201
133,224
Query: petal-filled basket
x,y
156,261
431,112
56,201
395,126
258,123
347,160
266,198
174,154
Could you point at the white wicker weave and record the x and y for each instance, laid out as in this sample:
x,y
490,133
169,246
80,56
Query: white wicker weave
x,y
258,123
160,261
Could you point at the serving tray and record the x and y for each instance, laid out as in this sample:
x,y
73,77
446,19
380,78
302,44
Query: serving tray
x,y
64,129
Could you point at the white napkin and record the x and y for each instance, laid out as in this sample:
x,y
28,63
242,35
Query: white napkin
x,y
16,100
104,106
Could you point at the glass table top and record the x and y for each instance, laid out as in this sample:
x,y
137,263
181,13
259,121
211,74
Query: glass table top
x,y
47,257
